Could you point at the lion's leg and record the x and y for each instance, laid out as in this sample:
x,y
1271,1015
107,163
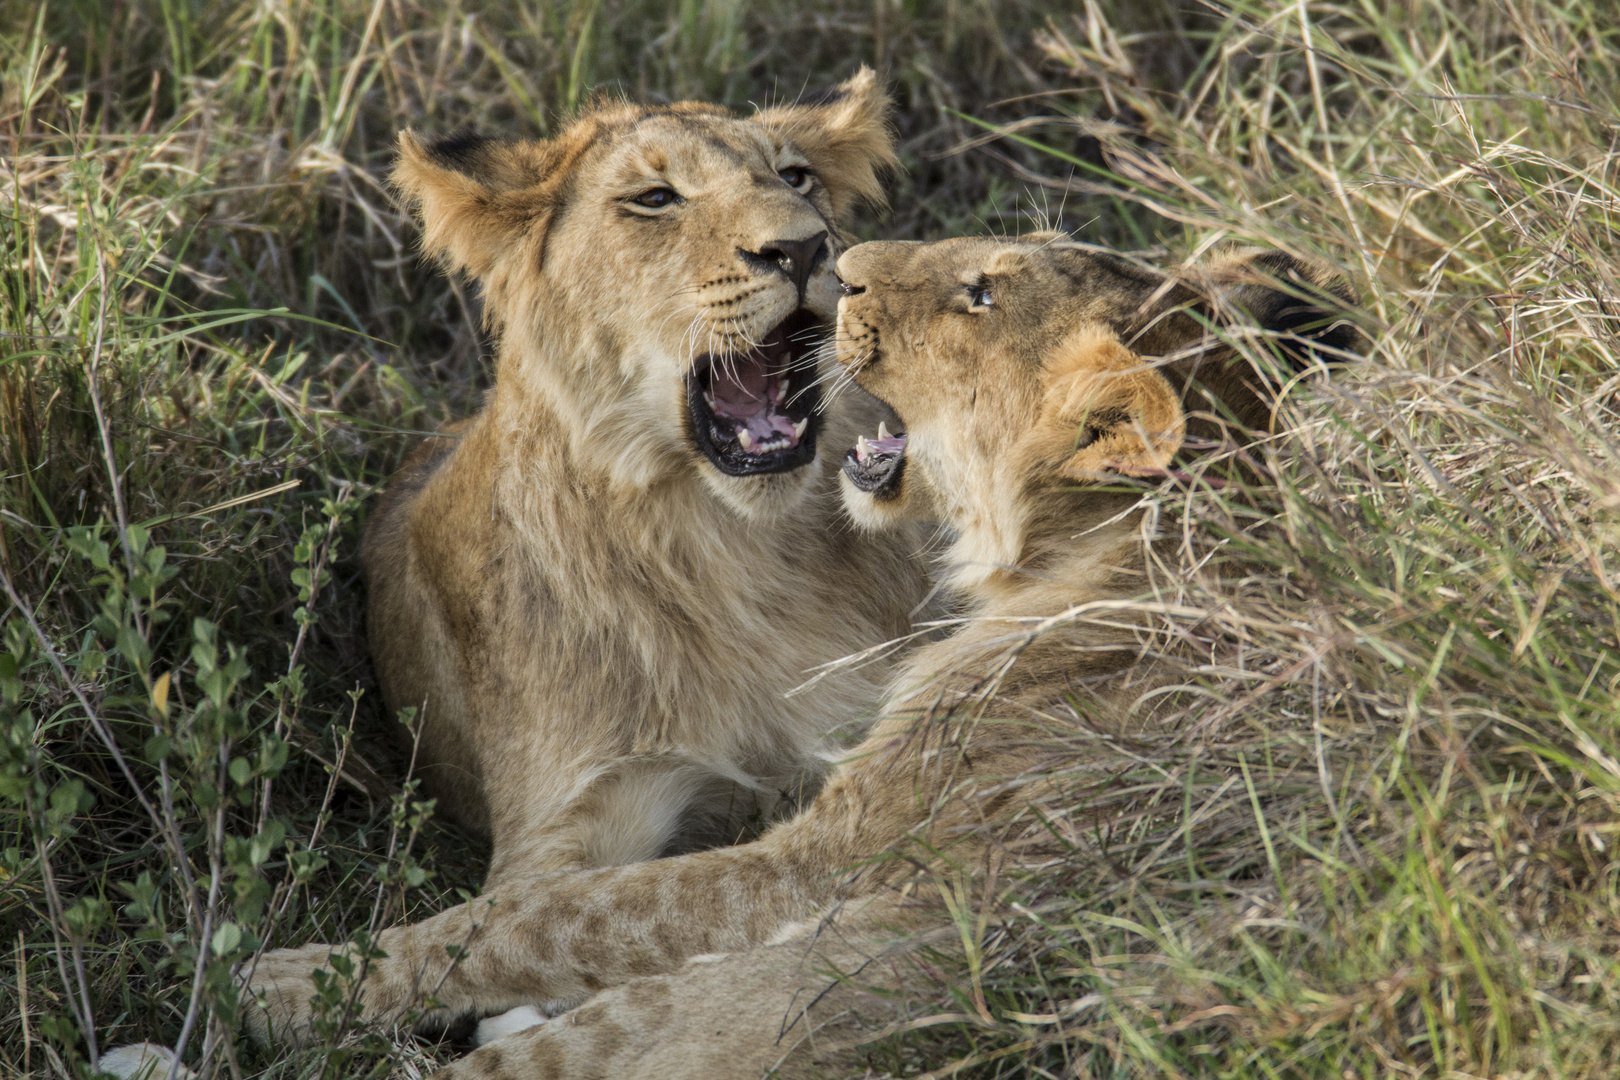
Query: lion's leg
x,y
800,1008
627,816
560,939
628,813
410,971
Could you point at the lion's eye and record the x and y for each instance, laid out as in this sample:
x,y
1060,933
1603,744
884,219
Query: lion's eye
x,y
655,198
979,296
797,177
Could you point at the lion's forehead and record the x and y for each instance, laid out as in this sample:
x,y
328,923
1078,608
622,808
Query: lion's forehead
x,y
922,273
699,147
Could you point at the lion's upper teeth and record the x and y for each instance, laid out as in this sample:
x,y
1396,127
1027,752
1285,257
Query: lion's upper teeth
x,y
746,439
798,428
708,399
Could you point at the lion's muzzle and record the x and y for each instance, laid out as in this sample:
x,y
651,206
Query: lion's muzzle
x,y
754,412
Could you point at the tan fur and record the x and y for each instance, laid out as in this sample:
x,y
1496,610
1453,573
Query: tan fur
x,y
1010,414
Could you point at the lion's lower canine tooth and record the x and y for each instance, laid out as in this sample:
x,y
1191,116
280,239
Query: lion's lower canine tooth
x,y
798,428
862,448
746,439
883,430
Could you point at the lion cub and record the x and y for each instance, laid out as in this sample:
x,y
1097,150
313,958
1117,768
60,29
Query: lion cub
x,y
1015,370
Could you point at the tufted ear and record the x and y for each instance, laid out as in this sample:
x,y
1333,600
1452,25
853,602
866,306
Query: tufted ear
x,y
1106,412
482,199
845,134
1301,306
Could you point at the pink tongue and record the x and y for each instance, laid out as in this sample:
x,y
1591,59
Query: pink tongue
x,y
740,389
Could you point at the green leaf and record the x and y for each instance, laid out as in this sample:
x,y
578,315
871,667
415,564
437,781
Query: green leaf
x,y
157,748
226,938
71,798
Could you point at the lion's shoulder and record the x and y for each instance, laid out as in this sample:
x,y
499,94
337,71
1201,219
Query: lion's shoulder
x,y
383,545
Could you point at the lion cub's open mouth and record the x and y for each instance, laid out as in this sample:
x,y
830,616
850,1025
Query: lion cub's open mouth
x,y
755,412
874,465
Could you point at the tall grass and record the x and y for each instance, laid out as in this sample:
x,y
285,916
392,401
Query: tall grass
x,y
1375,835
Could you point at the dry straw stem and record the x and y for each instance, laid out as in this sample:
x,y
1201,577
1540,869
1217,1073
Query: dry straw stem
x,y
1373,831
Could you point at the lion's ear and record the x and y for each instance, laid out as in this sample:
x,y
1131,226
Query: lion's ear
x,y
1107,411
1303,303
480,199
845,134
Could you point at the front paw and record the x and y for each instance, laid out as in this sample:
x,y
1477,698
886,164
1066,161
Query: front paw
x,y
507,1023
279,1003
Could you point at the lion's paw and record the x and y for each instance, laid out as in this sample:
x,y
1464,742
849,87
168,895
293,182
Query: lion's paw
x,y
507,1023
279,993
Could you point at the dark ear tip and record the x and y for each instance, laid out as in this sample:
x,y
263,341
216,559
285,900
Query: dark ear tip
x,y
460,150
1318,336
865,81
830,95
1307,306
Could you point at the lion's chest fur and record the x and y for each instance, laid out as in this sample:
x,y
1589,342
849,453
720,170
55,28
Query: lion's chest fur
x,y
699,624
593,628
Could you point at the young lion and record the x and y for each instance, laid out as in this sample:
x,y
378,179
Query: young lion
x,y
600,593
1010,366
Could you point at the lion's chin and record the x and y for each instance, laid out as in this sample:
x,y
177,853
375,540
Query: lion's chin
x,y
764,498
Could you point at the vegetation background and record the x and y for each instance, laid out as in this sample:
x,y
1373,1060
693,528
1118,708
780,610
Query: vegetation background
x,y
1377,838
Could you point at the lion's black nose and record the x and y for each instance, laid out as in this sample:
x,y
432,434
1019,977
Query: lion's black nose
x,y
795,258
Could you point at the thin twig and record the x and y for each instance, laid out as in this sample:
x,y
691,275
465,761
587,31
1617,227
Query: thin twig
x,y
216,847
82,1012
93,379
